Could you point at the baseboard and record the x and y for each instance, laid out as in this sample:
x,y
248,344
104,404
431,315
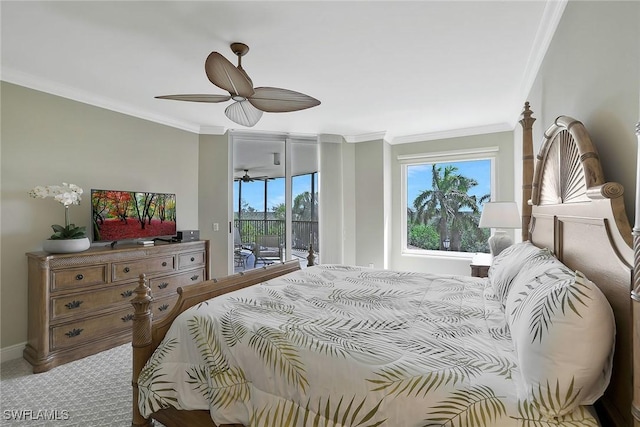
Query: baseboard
x,y
12,352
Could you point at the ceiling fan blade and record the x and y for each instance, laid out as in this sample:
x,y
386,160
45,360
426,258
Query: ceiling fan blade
x,y
243,113
196,98
276,100
225,75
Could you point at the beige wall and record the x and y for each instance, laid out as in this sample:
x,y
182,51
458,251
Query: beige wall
x,y
331,191
215,196
591,72
48,140
369,203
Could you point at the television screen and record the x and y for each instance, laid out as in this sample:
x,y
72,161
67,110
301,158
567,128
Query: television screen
x,y
126,215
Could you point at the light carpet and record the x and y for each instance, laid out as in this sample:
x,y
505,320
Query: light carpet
x,y
94,391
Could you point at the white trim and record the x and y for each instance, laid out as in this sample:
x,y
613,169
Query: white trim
x,y
365,137
453,133
452,155
26,80
431,254
259,136
12,352
47,86
212,130
551,16
330,138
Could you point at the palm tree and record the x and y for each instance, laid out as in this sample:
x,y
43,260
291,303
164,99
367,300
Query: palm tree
x,y
443,205
305,207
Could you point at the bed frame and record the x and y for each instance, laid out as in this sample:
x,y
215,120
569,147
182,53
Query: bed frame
x,y
568,208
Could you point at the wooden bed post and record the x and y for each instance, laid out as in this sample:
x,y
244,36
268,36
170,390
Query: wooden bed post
x,y
310,256
635,296
527,167
141,343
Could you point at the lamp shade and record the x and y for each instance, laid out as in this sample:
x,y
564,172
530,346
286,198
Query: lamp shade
x,y
500,215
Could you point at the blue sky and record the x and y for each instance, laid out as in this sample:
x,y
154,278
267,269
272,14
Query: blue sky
x,y
419,177
253,192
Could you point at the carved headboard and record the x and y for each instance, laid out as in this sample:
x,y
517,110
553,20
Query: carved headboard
x,y
582,218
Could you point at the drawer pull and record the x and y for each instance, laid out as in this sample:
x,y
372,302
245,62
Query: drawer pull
x,y
73,304
164,263
74,332
127,318
126,269
79,277
163,307
195,277
193,259
127,293
163,285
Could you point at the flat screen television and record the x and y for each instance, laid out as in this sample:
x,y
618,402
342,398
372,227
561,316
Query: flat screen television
x,y
132,215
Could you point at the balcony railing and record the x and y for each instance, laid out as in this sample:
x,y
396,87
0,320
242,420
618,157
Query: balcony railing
x,y
303,232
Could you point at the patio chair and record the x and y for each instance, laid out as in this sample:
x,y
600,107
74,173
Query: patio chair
x,y
268,249
240,253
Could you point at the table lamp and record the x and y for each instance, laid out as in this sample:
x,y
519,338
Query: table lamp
x,y
500,215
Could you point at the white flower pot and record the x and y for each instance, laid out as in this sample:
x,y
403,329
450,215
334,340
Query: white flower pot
x,y
66,246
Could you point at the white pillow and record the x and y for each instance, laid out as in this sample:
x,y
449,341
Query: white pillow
x,y
508,263
563,331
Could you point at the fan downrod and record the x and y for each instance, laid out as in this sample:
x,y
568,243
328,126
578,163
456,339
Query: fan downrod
x,y
240,49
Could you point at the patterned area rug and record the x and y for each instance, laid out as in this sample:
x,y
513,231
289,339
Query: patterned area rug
x,y
94,391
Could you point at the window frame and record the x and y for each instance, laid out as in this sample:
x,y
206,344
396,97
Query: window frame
x,y
406,160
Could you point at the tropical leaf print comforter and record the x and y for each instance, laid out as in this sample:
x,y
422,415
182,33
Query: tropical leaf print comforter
x,y
334,345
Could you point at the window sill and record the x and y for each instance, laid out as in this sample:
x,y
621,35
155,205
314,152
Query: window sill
x,y
416,253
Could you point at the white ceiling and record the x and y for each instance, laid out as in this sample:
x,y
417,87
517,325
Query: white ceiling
x,y
402,70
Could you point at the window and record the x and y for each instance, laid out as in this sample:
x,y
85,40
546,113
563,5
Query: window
x,y
443,196
304,211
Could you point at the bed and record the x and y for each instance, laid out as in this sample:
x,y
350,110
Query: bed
x,y
343,345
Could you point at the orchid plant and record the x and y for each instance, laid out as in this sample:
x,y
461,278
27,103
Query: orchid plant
x,y
67,195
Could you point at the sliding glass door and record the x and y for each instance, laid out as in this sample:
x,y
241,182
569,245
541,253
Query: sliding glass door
x,y
304,197
275,202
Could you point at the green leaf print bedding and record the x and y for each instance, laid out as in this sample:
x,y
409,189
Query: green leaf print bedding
x,y
336,345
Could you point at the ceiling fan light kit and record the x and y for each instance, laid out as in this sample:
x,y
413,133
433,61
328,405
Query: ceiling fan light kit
x,y
243,113
249,102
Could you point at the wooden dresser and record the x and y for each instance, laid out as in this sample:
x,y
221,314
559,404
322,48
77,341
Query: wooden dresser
x,y
80,304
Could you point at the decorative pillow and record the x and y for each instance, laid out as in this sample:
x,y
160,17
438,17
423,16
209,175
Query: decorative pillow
x,y
563,331
538,265
506,265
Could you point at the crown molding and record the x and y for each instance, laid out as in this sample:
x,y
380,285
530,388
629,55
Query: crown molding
x,y
364,137
31,82
551,16
453,133
270,136
212,130
330,138
47,86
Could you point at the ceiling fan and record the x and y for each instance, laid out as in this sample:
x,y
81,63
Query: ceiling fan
x,y
249,102
247,178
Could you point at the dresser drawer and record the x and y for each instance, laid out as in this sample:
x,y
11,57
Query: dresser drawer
x,y
168,285
79,277
81,303
163,306
83,331
191,259
131,270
